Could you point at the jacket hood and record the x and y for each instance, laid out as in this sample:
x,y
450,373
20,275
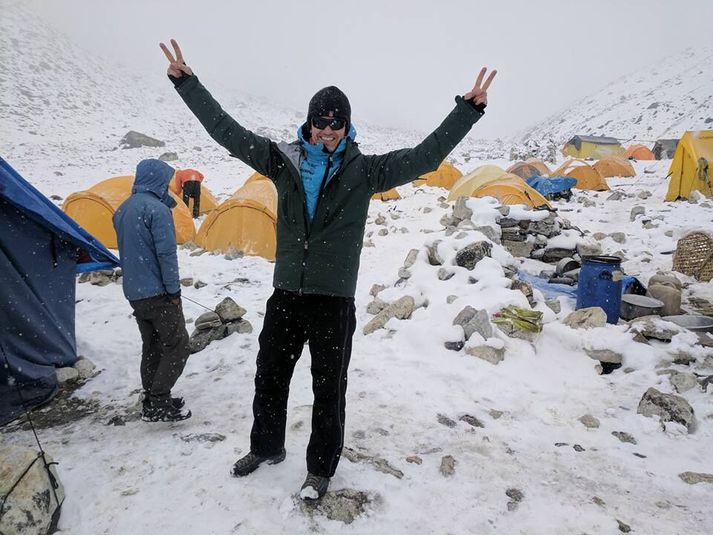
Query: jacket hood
x,y
153,176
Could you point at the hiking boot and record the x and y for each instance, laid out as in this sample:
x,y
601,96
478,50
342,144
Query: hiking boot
x,y
177,402
249,463
163,412
314,487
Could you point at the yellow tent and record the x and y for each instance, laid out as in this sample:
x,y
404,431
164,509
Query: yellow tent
x,y
592,147
511,189
691,166
541,166
444,177
614,166
246,222
390,195
208,200
467,184
587,176
524,170
94,208
639,152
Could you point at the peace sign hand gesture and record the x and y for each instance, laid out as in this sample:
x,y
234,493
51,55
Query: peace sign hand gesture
x,y
177,66
479,93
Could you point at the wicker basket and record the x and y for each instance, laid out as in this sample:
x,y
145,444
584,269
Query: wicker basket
x,y
694,256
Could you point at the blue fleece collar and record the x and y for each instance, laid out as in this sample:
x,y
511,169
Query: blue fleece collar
x,y
317,149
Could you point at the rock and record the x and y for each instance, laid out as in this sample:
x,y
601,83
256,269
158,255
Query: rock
x,y
589,249
188,281
100,278
604,355
520,249
404,273
382,465
624,528
401,309
473,253
445,274
411,258
454,346
445,420
578,448
116,420
471,420
229,310
56,197
636,211
461,211
240,326
665,280
383,232
492,233
33,502
85,368
376,306
432,252
199,252
589,421
555,254
671,298
451,299
448,466
133,140
490,354
669,407
516,496
66,375
618,237
683,357
525,288
624,437
586,318
233,254
683,382
380,220
200,339
199,284
504,210
652,327
376,288
414,459
692,478
554,305
343,505
208,320
168,157
203,437
495,414
617,196
599,236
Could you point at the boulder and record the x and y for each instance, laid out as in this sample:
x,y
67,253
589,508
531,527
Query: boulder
x,y
671,298
229,310
604,355
586,318
208,320
473,253
669,407
401,309
33,496
132,140
589,421
67,375
85,368
493,355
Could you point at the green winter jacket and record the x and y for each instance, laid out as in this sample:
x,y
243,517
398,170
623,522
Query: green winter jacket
x,y
323,258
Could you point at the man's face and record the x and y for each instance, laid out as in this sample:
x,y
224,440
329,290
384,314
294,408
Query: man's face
x,y
323,130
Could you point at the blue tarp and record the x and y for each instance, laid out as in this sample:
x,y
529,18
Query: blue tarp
x,y
551,185
40,248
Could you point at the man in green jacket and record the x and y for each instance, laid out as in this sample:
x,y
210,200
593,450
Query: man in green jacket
x,y
324,185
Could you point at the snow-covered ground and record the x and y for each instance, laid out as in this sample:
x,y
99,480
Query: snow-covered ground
x,y
405,388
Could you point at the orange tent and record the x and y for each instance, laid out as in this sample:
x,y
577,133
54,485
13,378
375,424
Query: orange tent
x,y
640,152
444,177
587,176
246,222
255,176
524,170
94,208
511,189
614,166
390,195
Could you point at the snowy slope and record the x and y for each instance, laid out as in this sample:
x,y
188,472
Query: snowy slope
x,y
405,388
656,101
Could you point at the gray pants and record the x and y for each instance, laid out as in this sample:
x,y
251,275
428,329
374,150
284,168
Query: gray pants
x,y
165,344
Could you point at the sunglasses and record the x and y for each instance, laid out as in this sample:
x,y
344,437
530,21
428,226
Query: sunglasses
x,y
335,123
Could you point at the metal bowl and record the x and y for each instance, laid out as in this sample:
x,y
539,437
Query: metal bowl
x,y
692,322
635,306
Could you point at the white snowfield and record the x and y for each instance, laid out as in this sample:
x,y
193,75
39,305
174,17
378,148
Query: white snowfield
x,y
531,467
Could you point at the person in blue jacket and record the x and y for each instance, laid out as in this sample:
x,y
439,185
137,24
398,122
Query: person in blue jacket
x,y
147,247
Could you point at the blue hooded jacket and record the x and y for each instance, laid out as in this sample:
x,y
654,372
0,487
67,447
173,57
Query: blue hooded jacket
x,y
314,166
146,234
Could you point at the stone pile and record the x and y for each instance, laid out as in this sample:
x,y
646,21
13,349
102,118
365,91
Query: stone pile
x,y
226,319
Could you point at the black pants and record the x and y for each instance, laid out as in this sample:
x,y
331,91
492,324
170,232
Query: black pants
x,y
291,320
165,344
192,190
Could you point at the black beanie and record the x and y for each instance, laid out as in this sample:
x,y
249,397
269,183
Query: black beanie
x,y
330,99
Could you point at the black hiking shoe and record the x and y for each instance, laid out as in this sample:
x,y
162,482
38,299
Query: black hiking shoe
x,y
177,402
314,487
166,411
249,463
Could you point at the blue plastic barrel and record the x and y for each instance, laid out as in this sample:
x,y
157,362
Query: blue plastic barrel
x,y
599,285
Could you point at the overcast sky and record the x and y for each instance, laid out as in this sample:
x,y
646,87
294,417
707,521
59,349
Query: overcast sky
x,y
399,61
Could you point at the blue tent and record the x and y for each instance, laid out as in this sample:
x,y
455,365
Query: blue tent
x,y
41,250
